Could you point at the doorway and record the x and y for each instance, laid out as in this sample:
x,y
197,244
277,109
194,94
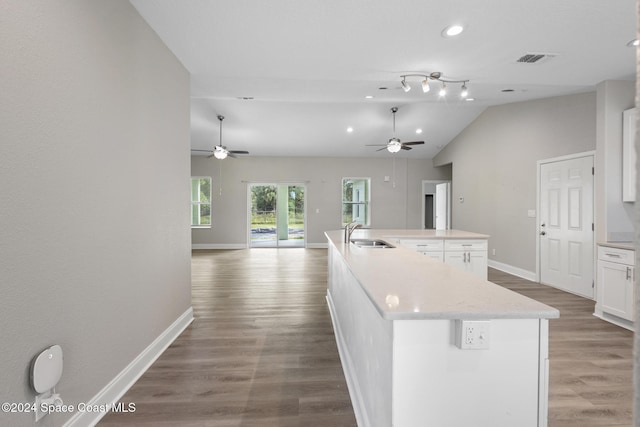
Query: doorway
x,y
565,228
436,205
277,215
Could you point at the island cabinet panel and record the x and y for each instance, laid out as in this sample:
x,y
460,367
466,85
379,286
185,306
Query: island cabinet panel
x,y
365,345
439,384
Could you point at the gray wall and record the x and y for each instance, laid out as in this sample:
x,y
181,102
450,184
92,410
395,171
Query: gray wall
x,y
494,168
94,193
398,206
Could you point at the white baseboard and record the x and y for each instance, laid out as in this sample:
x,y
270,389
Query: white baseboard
x,y
218,246
118,386
520,272
349,371
196,246
317,246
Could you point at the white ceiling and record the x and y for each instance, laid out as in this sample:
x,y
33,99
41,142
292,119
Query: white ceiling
x,y
308,64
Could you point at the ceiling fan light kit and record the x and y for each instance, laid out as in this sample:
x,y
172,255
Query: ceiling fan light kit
x,y
220,152
436,76
395,145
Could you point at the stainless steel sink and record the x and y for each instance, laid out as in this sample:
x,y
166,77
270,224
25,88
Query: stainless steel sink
x,y
372,243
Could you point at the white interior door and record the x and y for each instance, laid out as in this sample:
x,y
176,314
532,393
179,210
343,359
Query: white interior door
x,y
442,206
566,225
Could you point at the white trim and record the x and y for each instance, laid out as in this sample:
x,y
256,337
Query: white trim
x,y
119,385
359,409
317,246
516,271
218,246
623,323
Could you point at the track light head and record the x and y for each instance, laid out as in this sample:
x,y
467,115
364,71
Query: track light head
x,y
465,92
443,90
405,85
425,85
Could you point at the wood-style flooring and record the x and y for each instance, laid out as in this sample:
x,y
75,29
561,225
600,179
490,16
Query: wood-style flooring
x,y
261,352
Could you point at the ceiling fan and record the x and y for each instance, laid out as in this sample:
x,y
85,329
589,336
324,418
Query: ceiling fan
x,y
220,151
394,145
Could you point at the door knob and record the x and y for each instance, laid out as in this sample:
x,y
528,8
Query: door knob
x,y
542,233
543,224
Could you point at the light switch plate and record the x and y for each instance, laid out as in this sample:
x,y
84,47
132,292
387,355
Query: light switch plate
x,y
531,213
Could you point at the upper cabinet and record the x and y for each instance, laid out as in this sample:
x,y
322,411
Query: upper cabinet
x,y
628,155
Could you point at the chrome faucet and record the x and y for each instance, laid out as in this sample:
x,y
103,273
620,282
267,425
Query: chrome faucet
x,y
349,229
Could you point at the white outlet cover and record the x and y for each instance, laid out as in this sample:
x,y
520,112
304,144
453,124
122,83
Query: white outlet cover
x,y
46,369
473,334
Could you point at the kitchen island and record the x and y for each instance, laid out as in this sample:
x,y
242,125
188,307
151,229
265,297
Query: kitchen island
x,y
404,323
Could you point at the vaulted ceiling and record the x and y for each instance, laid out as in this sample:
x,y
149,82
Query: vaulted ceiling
x,y
291,76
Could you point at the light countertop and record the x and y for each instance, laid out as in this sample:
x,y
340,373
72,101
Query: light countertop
x,y
414,234
618,245
405,285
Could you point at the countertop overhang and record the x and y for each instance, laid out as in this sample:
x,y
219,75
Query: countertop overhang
x,y
403,284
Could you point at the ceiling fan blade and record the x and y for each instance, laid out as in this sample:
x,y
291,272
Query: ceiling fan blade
x,y
230,154
238,151
384,148
406,148
203,151
375,145
413,143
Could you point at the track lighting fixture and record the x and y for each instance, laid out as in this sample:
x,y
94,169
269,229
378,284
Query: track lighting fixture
x,y
436,76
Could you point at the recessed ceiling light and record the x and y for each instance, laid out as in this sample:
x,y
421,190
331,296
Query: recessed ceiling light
x,y
349,129
369,97
452,30
418,131
633,43
470,99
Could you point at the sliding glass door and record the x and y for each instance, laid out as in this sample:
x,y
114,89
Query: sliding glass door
x,y
277,215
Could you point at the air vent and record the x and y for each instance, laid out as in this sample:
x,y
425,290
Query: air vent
x,y
535,58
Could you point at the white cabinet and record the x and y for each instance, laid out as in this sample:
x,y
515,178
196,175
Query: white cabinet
x,y
467,255
433,248
615,283
628,155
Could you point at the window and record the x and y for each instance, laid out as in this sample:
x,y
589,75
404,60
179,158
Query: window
x,y
201,201
355,201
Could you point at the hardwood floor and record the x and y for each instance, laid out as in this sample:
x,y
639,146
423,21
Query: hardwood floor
x,y
261,352
591,361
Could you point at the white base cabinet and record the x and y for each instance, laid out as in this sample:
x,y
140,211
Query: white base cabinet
x,y
433,248
468,255
615,276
